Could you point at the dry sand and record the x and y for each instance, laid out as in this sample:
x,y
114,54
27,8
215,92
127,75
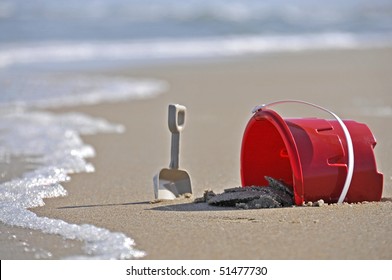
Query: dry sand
x,y
219,96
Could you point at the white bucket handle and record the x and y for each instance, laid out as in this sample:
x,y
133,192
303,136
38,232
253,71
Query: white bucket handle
x,y
350,147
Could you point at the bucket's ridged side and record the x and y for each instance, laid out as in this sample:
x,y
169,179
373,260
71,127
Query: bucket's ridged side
x,y
317,144
367,182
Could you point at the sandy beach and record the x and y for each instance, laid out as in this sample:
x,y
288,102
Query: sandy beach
x,y
219,96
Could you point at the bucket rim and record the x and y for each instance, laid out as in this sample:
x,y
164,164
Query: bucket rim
x,y
288,139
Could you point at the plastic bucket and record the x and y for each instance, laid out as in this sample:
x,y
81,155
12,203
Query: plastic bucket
x,y
324,159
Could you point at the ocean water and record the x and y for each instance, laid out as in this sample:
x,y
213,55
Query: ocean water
x,y
51,52
51,144
132,31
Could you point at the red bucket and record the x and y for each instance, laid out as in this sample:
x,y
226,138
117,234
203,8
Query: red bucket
x,y
324,159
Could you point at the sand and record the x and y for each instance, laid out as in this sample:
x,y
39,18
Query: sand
x,y
219,96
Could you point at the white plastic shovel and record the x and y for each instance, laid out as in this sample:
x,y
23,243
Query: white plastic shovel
x,y
171,182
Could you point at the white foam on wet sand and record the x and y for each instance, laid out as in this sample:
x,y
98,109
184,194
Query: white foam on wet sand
x,y
54,141
53,144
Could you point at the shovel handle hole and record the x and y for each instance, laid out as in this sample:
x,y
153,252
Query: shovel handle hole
x,y
180,118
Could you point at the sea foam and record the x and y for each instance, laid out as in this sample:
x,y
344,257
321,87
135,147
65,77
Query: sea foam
x,y
55,144
168,49
45,90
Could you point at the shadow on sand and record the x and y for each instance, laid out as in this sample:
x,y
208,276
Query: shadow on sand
x,y
162,206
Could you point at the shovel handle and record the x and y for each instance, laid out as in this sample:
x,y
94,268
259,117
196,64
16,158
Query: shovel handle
x,y
176,118
176,123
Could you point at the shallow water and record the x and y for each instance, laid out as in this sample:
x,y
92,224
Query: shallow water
x,y
53,145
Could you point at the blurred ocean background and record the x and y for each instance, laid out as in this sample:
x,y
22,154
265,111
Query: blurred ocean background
x,y
53,51
47,37
88,32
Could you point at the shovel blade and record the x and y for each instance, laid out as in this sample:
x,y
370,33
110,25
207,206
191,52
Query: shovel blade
x,y
171,183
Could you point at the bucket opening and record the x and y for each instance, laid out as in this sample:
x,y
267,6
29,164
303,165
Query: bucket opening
x,y
264,153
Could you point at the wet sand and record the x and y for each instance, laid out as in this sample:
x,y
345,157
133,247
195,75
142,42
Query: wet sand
x,y
219,96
